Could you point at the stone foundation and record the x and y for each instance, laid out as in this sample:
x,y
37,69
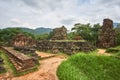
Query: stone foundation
x,y
66,46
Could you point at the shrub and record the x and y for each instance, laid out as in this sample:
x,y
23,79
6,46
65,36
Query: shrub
x,y
114,50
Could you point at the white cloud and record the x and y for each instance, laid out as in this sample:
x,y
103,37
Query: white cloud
x,y
18,23
55,13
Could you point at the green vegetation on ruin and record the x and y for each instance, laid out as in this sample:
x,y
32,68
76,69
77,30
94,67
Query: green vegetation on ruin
x,y
67,40
83,66
7,64
2,65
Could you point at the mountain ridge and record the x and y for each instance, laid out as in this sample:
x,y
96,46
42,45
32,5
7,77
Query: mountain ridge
x,y
40,30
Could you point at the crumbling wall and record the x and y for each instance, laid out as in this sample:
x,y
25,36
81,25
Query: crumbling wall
x,y
69,47
20,40
26,45
106,37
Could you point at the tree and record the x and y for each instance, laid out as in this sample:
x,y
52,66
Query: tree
x,y
83,30
117,31
95,32
42,36
87,32
71,35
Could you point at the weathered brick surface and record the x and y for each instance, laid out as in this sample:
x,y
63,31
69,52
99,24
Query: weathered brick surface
x,y
68,47
20,61
106,36
20,40
59,33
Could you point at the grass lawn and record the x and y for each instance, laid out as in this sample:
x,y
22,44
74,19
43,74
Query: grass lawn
x,y
114,50
67,40
89,67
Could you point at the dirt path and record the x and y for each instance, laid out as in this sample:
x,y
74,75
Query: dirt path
x,y
46,70
103,52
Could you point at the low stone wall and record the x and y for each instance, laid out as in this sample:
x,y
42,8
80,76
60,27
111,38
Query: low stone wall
x,y
66,46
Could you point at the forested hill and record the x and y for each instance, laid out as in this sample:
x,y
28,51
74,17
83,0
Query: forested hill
x,y
37,31
7,34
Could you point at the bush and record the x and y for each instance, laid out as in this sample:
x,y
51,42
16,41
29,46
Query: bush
x,y
115,51
89,67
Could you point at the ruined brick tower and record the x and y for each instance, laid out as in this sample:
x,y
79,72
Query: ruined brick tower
x,y
20,40
59,33
106,37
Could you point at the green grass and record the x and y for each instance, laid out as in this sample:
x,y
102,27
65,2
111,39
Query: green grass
x,y
89,67
2,65
11,69
67,40
114,50
7,64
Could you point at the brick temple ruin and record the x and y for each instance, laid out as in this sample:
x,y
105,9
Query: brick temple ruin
x,y
106,37
21,47
59,33
59,43
20,40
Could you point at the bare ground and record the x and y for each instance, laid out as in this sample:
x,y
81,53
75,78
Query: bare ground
x,y
103,52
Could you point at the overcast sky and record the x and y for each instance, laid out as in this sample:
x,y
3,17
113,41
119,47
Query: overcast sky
x,y
55,13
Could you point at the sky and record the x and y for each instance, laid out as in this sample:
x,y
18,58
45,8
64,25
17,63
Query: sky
x,y
55,13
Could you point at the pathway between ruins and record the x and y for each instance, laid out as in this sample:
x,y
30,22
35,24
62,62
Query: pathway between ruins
x,y
47,68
